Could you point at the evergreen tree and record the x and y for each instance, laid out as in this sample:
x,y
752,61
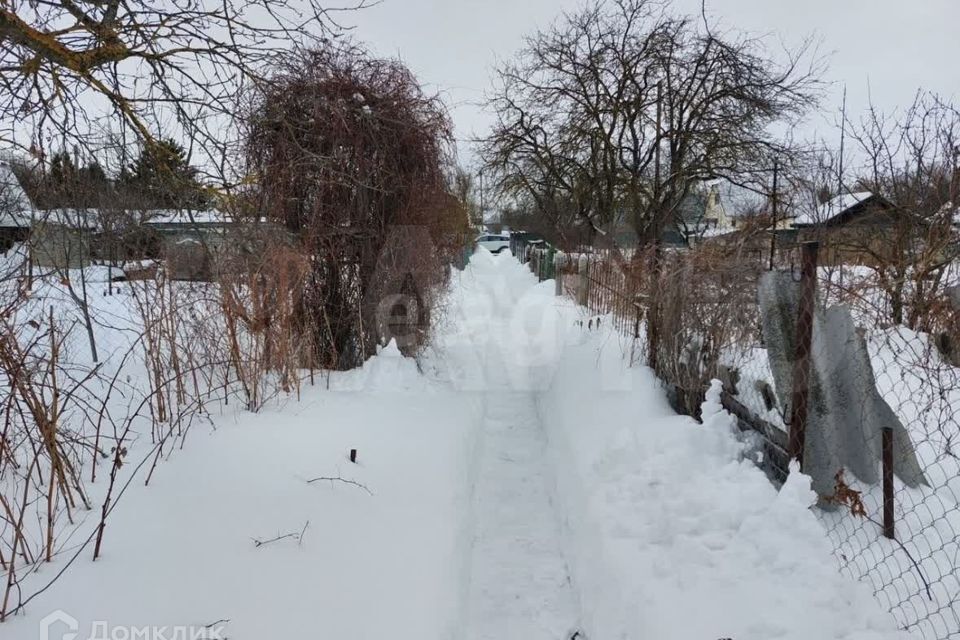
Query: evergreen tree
x,y
161,177
63,172
68,186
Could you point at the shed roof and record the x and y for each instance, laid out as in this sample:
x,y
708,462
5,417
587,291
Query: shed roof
x,y
834,209
90,219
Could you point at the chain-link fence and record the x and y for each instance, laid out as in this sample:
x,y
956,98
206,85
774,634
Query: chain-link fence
x,y
819,362
905,542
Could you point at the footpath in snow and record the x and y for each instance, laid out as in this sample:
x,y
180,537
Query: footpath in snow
x,y
522,483
518,583
666,530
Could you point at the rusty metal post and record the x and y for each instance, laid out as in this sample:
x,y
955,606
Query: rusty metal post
x,y
637,312
801,363
887,446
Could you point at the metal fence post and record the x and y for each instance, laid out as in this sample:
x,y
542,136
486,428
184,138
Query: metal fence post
x,y
887,446
801,364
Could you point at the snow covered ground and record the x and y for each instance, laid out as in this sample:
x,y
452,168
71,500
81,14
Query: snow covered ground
x,y
521,483
673,534
361,565
915,576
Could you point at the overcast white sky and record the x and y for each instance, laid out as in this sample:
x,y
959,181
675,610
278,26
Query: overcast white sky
x,y
889,47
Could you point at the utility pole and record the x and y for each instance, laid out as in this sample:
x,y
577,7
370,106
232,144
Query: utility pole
x,y
773,227
483,213
656,150
843,136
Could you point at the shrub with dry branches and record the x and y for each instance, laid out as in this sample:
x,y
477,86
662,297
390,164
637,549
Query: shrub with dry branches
x,y
707,315
347,149
261,279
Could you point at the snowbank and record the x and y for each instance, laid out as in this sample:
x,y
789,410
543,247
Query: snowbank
x,y
671,533
369,562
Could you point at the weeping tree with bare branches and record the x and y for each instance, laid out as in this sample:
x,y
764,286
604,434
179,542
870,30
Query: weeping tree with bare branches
x,y
346,149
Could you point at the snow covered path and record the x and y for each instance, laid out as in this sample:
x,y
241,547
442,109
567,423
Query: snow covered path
x,y
520,586
599,509
517,582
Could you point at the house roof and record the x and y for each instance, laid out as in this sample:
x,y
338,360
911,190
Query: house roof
x,y
183,218
93,219
15,206
692,208
843,205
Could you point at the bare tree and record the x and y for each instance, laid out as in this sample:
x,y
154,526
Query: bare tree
x,y
74,68
908,244
612,115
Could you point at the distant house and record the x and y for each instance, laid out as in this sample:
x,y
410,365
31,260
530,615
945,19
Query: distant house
x,y
62,238
71,238
851,228
193,244
700,215
849,208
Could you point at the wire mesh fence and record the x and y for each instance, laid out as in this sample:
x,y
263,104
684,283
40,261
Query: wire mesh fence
x,y
818,363
905,542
